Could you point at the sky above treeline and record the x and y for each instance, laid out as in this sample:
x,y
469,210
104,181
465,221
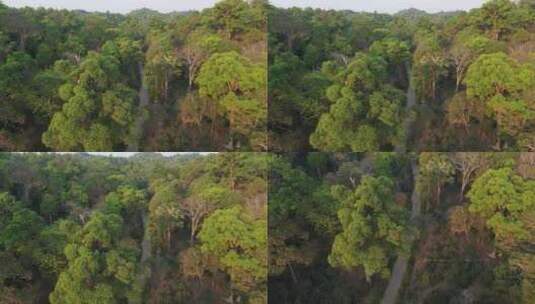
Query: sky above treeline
x,y
128,154
165,6
384,6
115,6
125,154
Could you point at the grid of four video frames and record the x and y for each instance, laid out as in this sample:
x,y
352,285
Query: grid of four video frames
x,y
255,152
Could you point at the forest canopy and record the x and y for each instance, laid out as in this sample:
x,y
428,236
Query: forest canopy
x,y
358,81
143,81
402,228
78,228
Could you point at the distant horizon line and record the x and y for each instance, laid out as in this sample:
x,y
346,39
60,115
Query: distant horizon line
x,y
385,6
117,154
376,11
104,12
200,9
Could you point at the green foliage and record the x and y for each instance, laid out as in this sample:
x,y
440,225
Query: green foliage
x,y
501,197
495,17
164,213
200,46
438,59
95,99
388,164
162,64
466,47
502,84
429,65
70,81
365,114
239,242
236,84
374,228
495,74
52,240
300,207
98,263
82,228
295,195
435,171
126,200
15,233
233,17
504,200
393,50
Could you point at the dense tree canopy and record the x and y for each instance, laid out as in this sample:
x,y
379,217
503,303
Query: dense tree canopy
x,y
476,246
80,228
373,226
450,81
79,81
334,209
365,114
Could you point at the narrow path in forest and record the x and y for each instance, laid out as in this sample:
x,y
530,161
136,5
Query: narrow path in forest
x,y
400,267
145,268
409,119
146,249
137,129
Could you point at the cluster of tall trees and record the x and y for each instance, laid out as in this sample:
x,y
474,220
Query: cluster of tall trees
x,y
146,229
346,81
79,81
448,227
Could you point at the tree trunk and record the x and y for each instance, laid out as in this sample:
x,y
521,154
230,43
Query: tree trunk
x,y
166,86
496,34
190,76
433,88
22,42
294,278
463,186
168,239
439,189
193,230
290,42
26,194
212,129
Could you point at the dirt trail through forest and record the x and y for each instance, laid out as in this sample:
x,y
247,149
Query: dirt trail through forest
x,y
145,269
400,267
145,244
409,119
140,121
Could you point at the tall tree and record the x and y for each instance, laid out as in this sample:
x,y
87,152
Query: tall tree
x,y
162,65
365,114
430,64
204,198
436,170
98,111
198,47
238,85
374,228
466,48
501,197
503,85
100,268
239,243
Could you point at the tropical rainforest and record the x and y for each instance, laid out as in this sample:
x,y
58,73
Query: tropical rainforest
x,y
384,227
86,229
357,81
144,81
